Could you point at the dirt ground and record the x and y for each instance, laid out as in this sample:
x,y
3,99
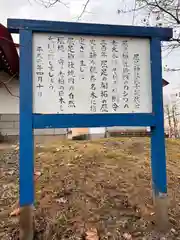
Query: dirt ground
x,y
103,184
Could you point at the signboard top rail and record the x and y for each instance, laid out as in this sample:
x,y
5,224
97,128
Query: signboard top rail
x,y
15,25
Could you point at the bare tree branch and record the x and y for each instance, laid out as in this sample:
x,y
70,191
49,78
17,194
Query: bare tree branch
x,y
171,69
164,10
51,3
6,87
134,12
119,11
84,10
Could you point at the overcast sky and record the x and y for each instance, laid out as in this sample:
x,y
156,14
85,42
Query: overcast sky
x,y
99,11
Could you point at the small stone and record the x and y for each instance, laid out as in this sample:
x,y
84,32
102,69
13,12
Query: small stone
x,y
11,172
174,231
127,236
109,234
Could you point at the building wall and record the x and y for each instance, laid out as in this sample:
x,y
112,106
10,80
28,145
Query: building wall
x,y
9,125
9,110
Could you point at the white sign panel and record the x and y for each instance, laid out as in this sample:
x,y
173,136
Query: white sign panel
x,y
86,74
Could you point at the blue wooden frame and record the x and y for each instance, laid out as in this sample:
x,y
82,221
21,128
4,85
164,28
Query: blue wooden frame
x,y
30,121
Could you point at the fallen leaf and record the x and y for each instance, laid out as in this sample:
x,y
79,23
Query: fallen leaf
x,y
11,172
61,200
127,236
15,212
38,174
40,154
92,234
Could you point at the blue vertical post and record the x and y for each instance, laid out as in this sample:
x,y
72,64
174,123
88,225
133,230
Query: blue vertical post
x,y
26,158
158,155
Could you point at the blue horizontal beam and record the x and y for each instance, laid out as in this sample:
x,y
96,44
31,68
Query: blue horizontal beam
x,y
41,121
14,25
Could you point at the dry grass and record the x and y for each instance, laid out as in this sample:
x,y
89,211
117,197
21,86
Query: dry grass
x,y
104,184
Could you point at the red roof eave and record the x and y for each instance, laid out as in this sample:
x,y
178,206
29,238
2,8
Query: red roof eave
x,y
8,52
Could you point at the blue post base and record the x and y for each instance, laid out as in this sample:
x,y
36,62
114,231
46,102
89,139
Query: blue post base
x,y
159,179
161,212
27,223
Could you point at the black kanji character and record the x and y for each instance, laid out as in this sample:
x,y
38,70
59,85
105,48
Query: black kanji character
x,y
81,48
93,108
71,88
125,70
60,40
104,72
104,79
61,48
125,94
61,108
71,104
39,94
92,62
39,67
93,86
50,38
103,54
104,85
92,42
61,93
114,49
125,56
51,86
93,95
93,69
40,79
71,80
71,72
40,73
126,106
61,100
114,98
61,81
70,56
104,106
71,95
71,49
39,57
104,94
104,63
126,88
61,61
51,75
92,54
114,56
125,99
71,64
39,86
115,106
39,49
92,78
